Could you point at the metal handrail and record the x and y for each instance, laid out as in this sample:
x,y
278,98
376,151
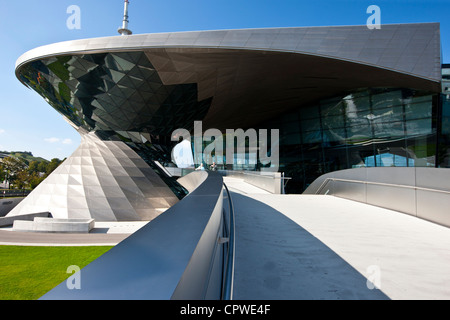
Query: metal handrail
x,y
252,173
324,183
227,293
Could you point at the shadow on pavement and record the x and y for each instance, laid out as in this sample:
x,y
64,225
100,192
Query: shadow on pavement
x,y
276,259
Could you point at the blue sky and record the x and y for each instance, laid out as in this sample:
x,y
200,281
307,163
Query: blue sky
x,y
28,123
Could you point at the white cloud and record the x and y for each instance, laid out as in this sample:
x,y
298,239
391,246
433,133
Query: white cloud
x,y
67,141
2,131
52,140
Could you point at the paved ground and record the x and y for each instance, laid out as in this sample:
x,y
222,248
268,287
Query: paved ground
x,y
323,247
104,234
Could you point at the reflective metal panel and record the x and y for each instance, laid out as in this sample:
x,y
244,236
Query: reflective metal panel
x,y
103,180
392,197
312,40
433,206
420,192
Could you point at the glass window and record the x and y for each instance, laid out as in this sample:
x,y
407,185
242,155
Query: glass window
x,y
419,127
369,161
386,99
446,125
122,63
310,124
290,127
335,135
419,108
332,107
446,106
355,104
423,150
312,137
333,122
389,130
445,115
393,113
309,112
358,133
393,154
289,139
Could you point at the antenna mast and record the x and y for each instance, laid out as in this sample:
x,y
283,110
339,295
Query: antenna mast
x,y
124,31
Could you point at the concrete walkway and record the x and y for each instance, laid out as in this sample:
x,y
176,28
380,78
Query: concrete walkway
x,y
103,234
323,247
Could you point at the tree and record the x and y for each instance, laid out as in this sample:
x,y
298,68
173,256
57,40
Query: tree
x,y
2,173
54,163
33,167
12,166
34,180
26,175
21,180
42,166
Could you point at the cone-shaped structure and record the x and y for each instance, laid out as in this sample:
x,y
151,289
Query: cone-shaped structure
x,y
103,180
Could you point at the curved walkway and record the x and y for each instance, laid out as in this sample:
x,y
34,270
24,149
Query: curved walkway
x,y
323,247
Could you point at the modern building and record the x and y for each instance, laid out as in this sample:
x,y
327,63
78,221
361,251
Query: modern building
x,y
341,97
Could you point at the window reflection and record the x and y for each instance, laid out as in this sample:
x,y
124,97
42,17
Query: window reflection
x,y
367,128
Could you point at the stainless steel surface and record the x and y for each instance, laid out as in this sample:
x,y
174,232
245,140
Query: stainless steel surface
x,y
228,283
202,278
124,31
102,180
350,43
236,68
420,192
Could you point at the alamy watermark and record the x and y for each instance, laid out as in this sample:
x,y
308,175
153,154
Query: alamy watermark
x,y
374,21
74,20
374,277
235,146
74,281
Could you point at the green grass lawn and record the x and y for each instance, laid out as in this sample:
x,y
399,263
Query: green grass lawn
x,y
27,273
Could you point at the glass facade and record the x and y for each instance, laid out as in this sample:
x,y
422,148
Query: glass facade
x,y
374,127
444,137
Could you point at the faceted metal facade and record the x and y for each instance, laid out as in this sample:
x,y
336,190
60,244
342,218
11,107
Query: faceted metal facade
x,y
118,95
103,180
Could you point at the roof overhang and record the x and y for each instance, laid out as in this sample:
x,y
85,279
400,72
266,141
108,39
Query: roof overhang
x,y
254,74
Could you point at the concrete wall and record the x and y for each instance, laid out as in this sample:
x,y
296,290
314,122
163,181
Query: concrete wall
x,y
49,225
9,221
7,204
420,192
